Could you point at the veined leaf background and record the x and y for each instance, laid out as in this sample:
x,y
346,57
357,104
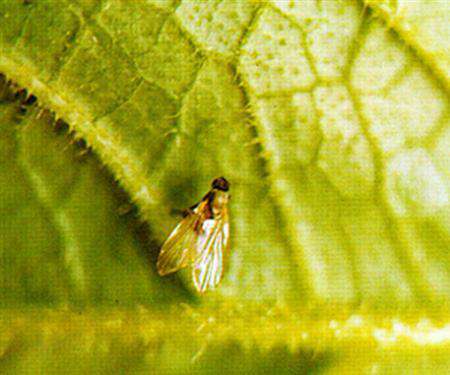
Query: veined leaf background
x,y
330,120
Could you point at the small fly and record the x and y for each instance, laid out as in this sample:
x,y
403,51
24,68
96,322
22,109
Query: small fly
x,y
201,239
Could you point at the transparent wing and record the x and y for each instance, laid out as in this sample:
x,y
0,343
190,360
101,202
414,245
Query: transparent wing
x,y
179,247
212,246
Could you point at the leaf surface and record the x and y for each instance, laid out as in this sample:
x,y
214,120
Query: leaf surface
x,y
330,119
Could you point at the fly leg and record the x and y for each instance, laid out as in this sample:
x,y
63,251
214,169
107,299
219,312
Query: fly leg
x,y
183,213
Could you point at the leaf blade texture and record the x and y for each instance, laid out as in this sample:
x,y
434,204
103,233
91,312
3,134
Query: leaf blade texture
x,y
330,119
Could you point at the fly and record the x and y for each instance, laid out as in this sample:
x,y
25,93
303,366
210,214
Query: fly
x,y
201,239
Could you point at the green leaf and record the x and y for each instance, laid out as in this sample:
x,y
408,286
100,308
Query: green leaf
x,y
330,119
62,239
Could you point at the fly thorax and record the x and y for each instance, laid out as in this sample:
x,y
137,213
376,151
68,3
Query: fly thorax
x,y
219,202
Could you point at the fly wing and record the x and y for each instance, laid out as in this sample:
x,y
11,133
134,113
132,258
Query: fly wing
x,y
180,246
212,246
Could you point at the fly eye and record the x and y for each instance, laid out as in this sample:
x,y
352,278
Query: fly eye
x,y
221,184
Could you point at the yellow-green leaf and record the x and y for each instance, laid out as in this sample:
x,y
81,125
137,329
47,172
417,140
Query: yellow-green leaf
x,y
329,118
